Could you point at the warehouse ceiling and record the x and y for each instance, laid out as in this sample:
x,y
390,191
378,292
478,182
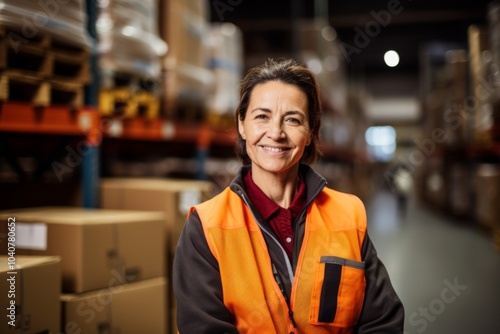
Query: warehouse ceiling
x,y
365,29
405,26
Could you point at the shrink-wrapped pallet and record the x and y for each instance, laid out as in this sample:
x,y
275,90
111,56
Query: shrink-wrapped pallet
x,y
128,39
225,45
64,21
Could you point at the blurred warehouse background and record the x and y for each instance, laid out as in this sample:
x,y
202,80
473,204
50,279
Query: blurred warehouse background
x,y
113,107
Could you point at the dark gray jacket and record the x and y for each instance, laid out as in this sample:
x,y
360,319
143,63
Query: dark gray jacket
x,y
198,289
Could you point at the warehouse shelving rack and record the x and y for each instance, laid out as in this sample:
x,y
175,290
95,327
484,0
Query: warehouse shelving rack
x,y
93,132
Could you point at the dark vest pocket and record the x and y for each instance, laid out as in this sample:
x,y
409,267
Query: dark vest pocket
x,y
338,292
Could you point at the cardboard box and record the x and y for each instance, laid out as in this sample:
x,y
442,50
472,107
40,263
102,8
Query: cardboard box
x,y
35,291
183,25
187,79
132,308
173,197
98,248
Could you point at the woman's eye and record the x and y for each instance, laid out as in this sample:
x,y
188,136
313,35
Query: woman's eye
x,y
293,120
261,116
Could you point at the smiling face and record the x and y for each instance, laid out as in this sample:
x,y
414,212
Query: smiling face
x,y
275,129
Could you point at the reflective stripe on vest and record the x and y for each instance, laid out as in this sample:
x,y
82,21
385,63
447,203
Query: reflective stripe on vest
x,y
329,285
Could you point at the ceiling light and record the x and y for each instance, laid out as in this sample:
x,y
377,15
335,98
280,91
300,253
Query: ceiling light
x,y
391,58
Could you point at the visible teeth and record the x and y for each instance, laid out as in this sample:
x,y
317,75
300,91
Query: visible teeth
x,y
273,149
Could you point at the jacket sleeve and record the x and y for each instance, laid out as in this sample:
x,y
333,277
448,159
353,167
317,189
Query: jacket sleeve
x,y
382,310
197,285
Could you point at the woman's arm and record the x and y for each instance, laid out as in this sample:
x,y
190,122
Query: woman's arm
x,y
197,285
382,310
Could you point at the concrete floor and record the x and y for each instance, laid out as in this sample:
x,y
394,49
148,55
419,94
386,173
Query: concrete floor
x,y
446,272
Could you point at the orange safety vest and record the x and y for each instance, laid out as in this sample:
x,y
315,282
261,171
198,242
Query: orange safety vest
x,y
329,285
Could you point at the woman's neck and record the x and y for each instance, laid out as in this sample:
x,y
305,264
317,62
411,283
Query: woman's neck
x,y
279,187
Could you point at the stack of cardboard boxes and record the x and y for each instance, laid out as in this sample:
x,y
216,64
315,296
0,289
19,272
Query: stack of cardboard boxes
x,y
112,266
173,197
187,78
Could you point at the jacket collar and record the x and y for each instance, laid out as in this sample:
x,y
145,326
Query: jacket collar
x,y
314,182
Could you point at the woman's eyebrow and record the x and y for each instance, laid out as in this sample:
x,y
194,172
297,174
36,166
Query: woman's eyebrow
x,y
261,109
290,112
295,112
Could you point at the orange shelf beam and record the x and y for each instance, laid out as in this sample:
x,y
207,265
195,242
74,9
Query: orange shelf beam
x,y
24,117
165,130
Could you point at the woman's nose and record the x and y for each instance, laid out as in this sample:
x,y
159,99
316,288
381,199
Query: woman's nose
x,y
275,130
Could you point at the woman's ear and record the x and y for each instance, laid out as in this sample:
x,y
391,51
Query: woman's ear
x,y
241,129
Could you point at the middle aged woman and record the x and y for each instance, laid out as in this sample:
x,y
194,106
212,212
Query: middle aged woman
x,y
277,251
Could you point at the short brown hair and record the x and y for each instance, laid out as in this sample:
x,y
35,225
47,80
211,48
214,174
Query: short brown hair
x,y
289,72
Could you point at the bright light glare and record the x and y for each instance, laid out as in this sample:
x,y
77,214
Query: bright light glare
x,y
314,64
381,142
380,135
228,29
329,33
129,31
391,58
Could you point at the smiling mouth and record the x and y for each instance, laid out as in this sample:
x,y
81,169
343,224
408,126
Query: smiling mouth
x,y
274,149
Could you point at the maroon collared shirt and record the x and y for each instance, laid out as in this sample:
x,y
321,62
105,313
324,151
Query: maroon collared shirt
x,y
280,219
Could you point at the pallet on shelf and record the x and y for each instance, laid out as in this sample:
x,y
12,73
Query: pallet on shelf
x,y
22,87
46,58
32,59
42,70
66,92
126,103
19,86
128,95
74,66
